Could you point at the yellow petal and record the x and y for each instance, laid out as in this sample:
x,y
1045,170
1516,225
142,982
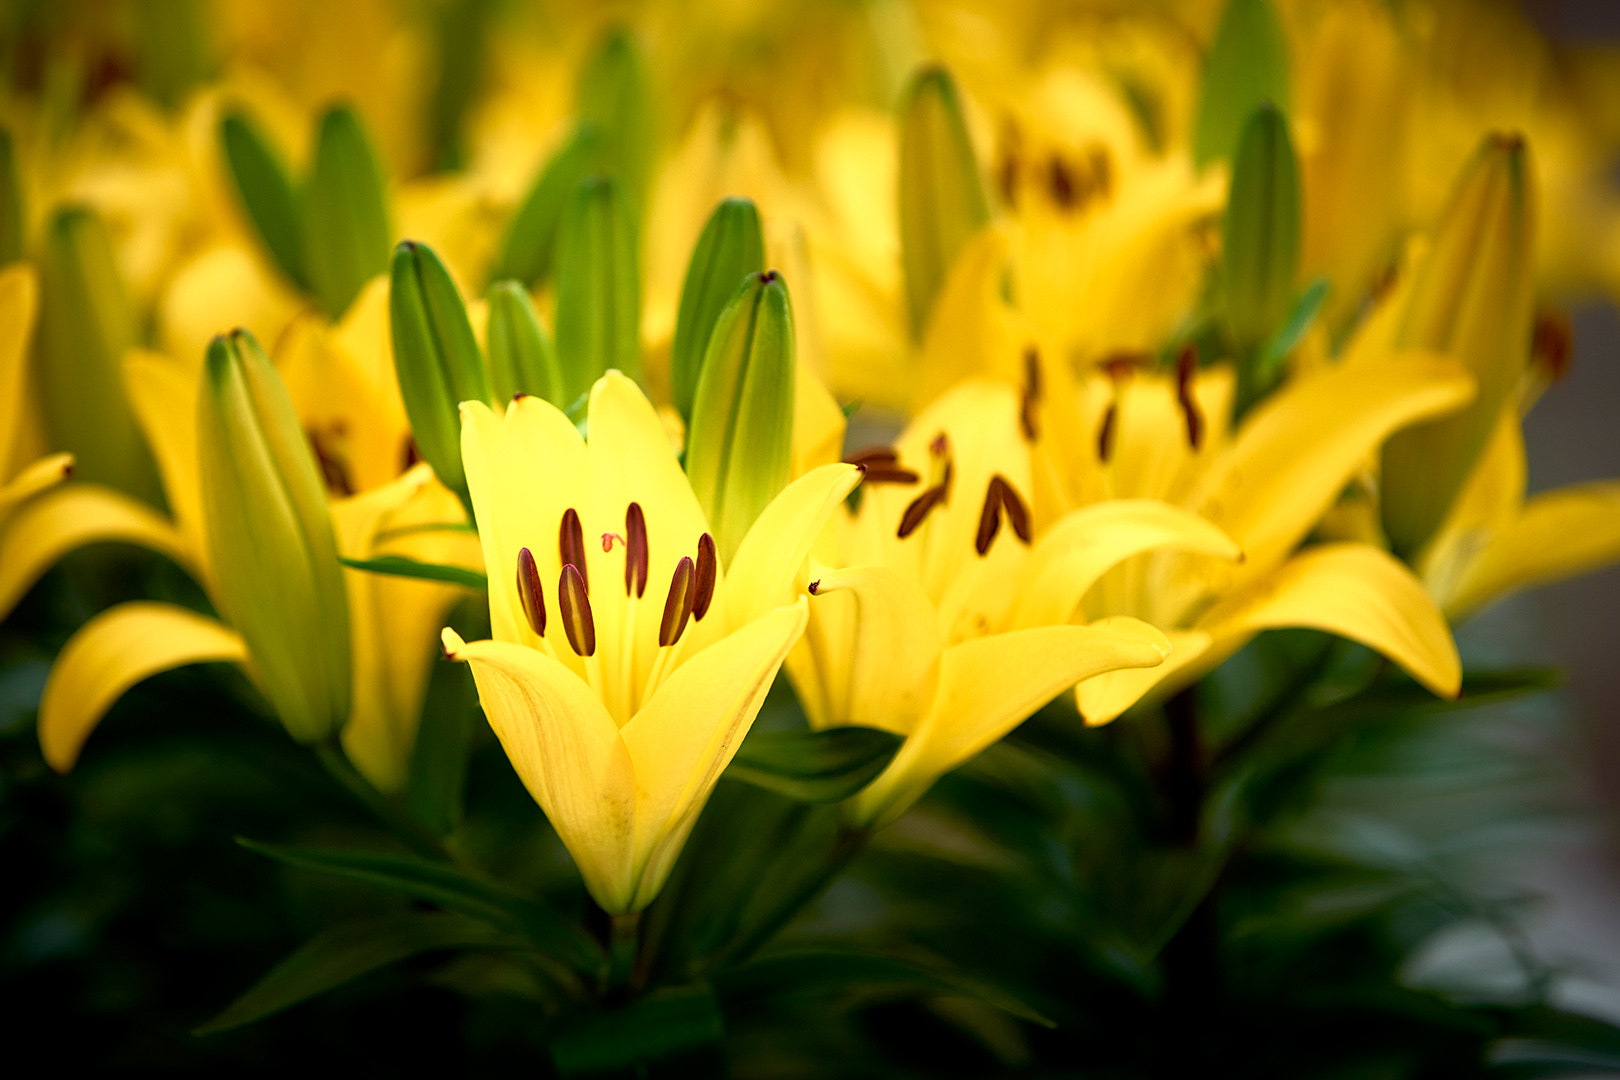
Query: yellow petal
x,y
1488,504
111,653
44,473
163,392
567,751
771,556
19,304
1086,543
55,523
1355,591
988,686
686,734
1559,534
818,422
1106,696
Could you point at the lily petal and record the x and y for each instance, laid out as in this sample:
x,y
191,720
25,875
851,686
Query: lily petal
x,y
1104,697
1355,591
163,393
44,473
19,304
988,686
771,556
111,653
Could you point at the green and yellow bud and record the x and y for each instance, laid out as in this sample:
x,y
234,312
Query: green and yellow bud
x,y
266,189
598,288
271,549
87,323
614,96
942,197
436,357
1260,245
528,251
1247,67
345,212
11,207
731,247
1473,298
522,359
740,442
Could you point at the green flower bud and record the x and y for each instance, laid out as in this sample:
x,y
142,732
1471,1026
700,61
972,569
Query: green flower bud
x,y
521,356
346,234
1247,67
1474,298
1260,241
436,357
598,288
86,325
731,247
11,208
528,251
172,47
942,198
614,96
271,550
267,194
740,443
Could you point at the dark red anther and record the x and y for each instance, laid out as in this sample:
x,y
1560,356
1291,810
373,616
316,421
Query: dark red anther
x,y
989,517
879,456
1061,183
571,545
1017,512
528,586
881,465
1552,345
575,603
708,573
635,550
1121,365
1186,368
1032,393
1105,434
918,509
678,605
939,445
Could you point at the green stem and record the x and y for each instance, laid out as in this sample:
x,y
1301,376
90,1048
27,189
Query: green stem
x,y
414,835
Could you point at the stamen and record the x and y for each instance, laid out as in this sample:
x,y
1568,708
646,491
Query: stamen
x,y
333,474
1060,183
410,455
989,517
571,545
678,605
940,445
875,475
1032,393
1552,345
918,509
708,572
1121,365
1105,436
635,555
576,610
1017,512
873,455
1186,368
528,585
881,465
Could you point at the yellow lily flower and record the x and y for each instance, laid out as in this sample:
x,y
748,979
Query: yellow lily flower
x,y
618,698
921,629
1143,435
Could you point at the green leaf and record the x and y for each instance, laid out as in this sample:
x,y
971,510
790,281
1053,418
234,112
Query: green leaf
x,y
529,249
669,1024
522,358
11,208
267,194
814,766
1260,237
450,888
614,96
731,247
598,288
400,566
437,781
346,233
1299,322
344,953
1247,66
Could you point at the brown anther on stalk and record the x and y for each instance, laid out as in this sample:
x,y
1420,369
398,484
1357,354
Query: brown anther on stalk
x,y
872,474
939,445
571,545
1017,512
1060,183
1105,434
678,605
815,587
881,465
708,573
1121,365
528,586
989,517
871,456
1186,368
945,481
635,550
1552,345
518,396
918,509
1032,393
575,603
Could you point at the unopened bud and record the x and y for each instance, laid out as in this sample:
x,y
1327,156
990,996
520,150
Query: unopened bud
x,y
942,198
270,544
731,247
1247,67
598,289
739,445
1260,237
614,96
528,252
436,357
346,233
267,193
522,359
1474,299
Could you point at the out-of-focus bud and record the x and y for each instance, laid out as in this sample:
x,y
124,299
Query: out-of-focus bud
x,y
436,357
598,288
11,215
740,443
171,47
731,247
1474,298
1260,242
270,544
614,96
85,327
522,359
1247,67
346,235
267,194
942,198
531,238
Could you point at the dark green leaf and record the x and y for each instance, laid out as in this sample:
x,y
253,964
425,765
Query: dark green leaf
x,y
731,247
528,251
400,566
438,772
1247,66
342,953
266,190
1260,239
1299,322
673,1023
442,884
346,233
814,766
